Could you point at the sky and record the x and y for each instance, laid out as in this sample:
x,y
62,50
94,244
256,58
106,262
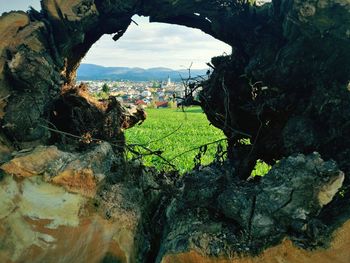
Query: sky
x,y
146,45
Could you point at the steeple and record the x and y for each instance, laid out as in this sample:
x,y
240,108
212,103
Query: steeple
x,y
169,81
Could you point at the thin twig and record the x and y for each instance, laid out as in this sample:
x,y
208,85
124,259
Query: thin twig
x,y
226,102
160,139
257,135
150,152
211,66
132,146
189,70
234,130
132,20
129,147
77,137
61,132
198,147
5,98
168,135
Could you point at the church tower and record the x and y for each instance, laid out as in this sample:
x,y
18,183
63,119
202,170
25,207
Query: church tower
x,y
168,82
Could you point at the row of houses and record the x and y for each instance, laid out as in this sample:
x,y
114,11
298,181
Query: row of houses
x,y
145,93
156,104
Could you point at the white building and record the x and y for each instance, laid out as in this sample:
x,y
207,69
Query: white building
x,y
146,93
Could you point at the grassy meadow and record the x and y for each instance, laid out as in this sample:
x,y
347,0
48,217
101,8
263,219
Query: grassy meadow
x,y
176,132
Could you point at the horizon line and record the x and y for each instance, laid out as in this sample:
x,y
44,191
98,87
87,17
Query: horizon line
x,y
142,67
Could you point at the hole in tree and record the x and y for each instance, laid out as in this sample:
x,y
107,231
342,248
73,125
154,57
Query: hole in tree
x,y
151,66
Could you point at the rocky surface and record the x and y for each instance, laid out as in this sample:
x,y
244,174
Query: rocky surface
x,y
68,196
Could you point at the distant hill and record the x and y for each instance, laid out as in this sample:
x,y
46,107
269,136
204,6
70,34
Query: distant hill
x,y
95,72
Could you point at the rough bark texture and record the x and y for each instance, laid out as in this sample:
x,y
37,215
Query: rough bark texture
x,y
223,218
285,87
56,207
282,87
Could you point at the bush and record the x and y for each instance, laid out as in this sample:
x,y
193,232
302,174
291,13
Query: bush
x,y
106,89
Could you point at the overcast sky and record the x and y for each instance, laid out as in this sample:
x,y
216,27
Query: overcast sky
x,y
146,45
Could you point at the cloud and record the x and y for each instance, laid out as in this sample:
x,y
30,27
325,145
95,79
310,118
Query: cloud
x,y
147,45
156,44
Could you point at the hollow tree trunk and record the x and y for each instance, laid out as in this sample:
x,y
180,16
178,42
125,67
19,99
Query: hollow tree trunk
x,y
285,87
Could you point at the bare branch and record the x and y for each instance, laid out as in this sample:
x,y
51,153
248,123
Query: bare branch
x,y
132,20
197,148
5,98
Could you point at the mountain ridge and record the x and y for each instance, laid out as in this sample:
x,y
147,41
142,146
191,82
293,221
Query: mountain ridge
x,y
96,72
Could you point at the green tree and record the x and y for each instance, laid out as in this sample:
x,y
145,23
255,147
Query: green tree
x,y
105,88
156,85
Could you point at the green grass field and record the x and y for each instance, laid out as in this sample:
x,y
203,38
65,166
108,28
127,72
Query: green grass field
x,y
175,132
